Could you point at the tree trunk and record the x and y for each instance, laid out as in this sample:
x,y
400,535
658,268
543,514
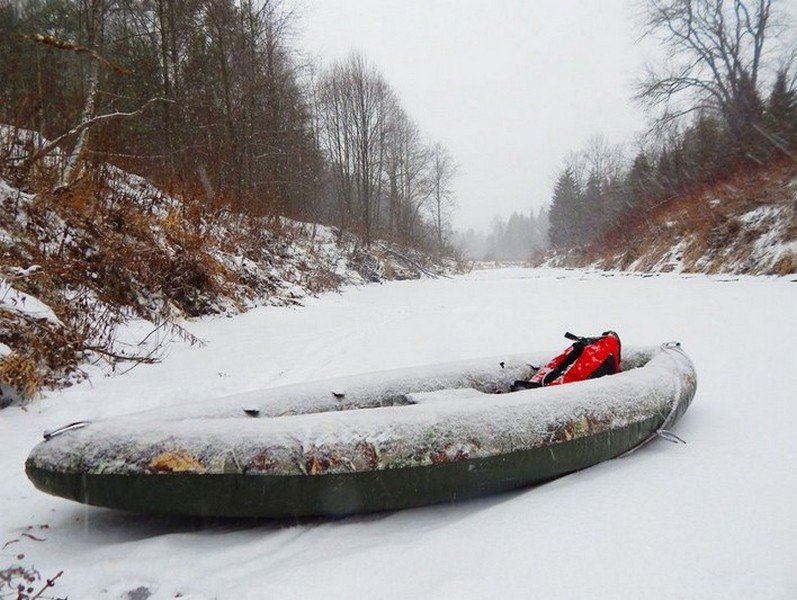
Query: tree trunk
x,y
94,27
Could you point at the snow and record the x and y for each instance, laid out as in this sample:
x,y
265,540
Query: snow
x,y
710,519
762,215
16,302
671,262
18,143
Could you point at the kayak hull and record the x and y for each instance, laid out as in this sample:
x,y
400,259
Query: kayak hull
x,y
284,496
371,443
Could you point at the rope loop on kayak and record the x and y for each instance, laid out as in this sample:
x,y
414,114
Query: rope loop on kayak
x,y
662,431
670,436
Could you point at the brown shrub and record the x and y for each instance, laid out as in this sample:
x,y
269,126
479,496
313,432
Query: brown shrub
x,y
21,372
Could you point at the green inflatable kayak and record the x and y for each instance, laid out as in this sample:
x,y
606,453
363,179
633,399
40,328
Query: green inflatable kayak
x,y
372,442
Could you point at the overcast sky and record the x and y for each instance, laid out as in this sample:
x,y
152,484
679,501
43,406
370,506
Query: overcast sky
x,y
508,86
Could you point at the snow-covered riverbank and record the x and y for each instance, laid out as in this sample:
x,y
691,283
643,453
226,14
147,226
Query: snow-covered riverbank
x,y
712,518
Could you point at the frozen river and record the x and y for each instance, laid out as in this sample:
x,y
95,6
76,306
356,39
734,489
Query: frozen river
x,y
710,519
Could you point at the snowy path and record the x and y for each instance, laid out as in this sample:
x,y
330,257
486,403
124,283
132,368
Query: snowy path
x,y
712,519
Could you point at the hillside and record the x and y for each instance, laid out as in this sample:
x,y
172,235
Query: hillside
x,y
744,224
77,264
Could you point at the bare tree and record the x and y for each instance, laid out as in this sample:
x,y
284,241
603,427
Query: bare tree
x,y
442,174
716,53
598,157
408,171
335,132
357,106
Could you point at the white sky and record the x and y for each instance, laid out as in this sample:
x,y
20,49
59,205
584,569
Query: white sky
x,y
508,86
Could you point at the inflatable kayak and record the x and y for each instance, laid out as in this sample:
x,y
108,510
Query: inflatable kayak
x,y
372,442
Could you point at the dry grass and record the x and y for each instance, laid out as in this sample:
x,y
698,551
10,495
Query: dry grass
x,y
21,372
785,266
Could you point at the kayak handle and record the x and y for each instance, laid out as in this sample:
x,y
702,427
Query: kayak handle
x,y
54,432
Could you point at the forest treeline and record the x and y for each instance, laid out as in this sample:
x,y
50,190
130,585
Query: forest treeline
x,y
724,101
513,239
210,99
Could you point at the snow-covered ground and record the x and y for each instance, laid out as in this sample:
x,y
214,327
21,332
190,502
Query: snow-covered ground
x,y
713,518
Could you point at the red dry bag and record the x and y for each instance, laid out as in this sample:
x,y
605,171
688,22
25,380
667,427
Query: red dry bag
x,y
587,358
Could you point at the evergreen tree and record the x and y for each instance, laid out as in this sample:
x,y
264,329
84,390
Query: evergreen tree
x,y
543,225
744,117
591,213
563,229
781,117
614,200
639,181
670,169
705,146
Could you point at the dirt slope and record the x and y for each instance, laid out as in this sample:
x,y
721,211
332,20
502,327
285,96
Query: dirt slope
x,y
746,224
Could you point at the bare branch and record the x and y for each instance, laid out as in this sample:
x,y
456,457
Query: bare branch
x,y
49,147
715,53
54,42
